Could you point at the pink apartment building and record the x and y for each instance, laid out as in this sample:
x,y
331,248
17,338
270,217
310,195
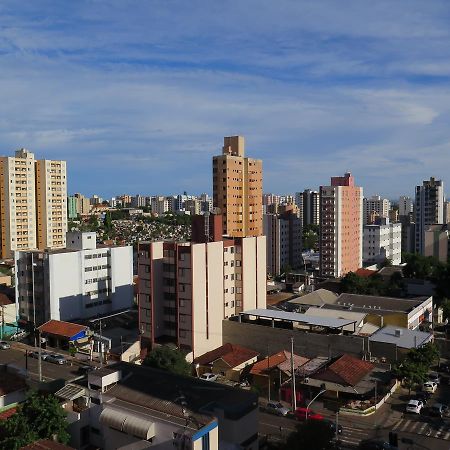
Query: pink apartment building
x,y
341,227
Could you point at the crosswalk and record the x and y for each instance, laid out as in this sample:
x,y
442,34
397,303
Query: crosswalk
x,y
352,436
438,430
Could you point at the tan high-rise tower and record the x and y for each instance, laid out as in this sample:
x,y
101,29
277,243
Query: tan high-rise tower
x,y
33,203
237,189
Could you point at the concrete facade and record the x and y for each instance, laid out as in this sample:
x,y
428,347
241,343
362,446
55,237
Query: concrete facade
x,y
341,230
79,282
437,242
284,242
382,240
237,189
429,209
375,206
187,289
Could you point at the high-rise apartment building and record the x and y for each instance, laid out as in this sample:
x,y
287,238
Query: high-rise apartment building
x,y
341,225
33,203
405,206
284,241
437,242
51,204
429,207
374,207
237,189
382,241
446,212
18,202
309,207
159,205
187,289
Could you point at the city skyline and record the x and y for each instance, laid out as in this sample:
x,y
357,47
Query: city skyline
x,y
122,90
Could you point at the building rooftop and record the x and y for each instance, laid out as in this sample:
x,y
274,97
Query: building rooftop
x,y
303,319
282,360
61,328
358,317
316,298
346,370
233,355
165,394
403,338
46,444
388,304
365,273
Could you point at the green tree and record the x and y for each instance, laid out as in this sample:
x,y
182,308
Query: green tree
x,y
39,417
411,373
165,358
311,435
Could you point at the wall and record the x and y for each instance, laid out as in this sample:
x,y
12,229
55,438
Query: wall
x,y
258,337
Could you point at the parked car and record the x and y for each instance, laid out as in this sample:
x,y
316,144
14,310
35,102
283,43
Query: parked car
x,y
332,426
433,376
85,369
429,386
277,408
414,406
208,377
4,345
56,358
438,410
35,354
18,335
305,413
375,444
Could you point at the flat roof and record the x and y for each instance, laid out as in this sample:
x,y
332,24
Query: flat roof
x,y
377,302
305,319
407,338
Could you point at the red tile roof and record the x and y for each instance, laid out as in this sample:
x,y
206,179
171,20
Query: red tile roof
x,y
346,370
46,444
231,354
277,360
60,328
365,273
8,413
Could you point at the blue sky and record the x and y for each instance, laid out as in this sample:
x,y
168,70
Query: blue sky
x,y
137,95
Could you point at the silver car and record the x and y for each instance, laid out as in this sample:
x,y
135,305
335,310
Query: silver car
x,y
277,408
4,345
56,358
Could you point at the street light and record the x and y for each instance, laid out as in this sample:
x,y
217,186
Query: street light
x,y
322,386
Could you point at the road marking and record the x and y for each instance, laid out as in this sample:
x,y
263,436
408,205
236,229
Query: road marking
x,y
277,426
422,428
397,424
414,426
405,425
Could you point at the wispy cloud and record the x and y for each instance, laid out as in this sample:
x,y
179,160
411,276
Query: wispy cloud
x,y
143,92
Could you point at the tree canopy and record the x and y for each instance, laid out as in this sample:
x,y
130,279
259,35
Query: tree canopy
x,y
39,417
165,358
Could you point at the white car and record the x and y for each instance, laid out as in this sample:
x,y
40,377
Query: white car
x,y
429,386
414,406
208,377
4,345
433,376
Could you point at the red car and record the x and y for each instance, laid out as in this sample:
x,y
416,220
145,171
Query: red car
x,y
300,414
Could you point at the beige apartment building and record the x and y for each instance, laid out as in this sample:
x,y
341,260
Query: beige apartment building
x,y
33,196
187,289
237,189
51,199
341,227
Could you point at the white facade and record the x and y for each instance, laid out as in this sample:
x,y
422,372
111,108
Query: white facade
x,y
375,205
382,242
71,284
405,205
159,205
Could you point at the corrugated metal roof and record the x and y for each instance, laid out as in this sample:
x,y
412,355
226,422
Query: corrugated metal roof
x,y
299,318
70,392
128,423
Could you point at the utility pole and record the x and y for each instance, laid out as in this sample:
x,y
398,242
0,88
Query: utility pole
x,y
3,321
294,396
268,367
40,357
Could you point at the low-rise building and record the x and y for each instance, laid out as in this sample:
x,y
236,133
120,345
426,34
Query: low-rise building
x,y
78,282
228,360
128,406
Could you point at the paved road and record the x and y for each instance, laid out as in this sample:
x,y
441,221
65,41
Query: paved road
x,y
17,358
